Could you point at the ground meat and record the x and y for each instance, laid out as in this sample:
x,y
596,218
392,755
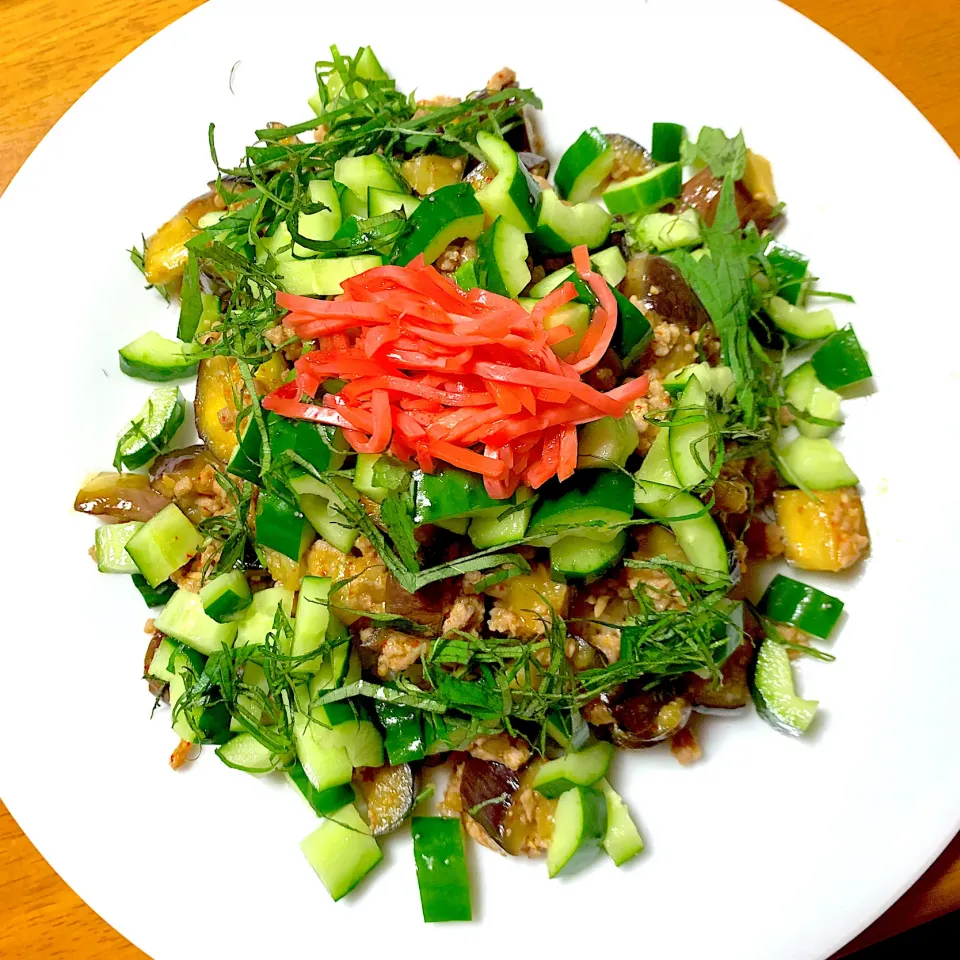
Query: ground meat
x,y
652,405
466,615
684,746
501,748
793,635
524,605
425,106
452,805
502,79
396,651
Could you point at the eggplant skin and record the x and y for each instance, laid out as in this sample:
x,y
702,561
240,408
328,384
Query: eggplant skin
x,y
122,496
483,781
642,718
388,792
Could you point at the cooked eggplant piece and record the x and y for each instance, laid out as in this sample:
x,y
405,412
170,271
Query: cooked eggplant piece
x,y
166,250
123,496
629,158
528,825
177,475
702,193
827,531
537,165
389,793
487,789
733,692
429,172
217,380
642,718
662,291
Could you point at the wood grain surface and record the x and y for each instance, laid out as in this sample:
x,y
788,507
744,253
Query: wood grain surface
x,y
53,51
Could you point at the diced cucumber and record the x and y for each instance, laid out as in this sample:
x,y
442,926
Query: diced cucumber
x,y
491,531
815,464
574,315
797,323
323,802
161,664
323,278
324,224
811,397
164,544
327,518
152,357
441,869
667,231
313,615
717,380
466,275
184,620
574,770
599,499
607,443
452,493
513,194
790,269
381,201
110,547
281,526
342,666
450,213
580,823
226,597
622,841
258,618
560,228
359,739
154,596
245,752
403,726
609,264
774,693
149,433
645,193
502,259
324,766
584,165
342,851
665,142
840,361
692,435
368,170
699,536
576,558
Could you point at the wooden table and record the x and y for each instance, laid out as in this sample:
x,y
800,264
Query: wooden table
x,y
53,51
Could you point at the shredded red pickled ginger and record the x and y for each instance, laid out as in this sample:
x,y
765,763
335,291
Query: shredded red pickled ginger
x,y
435,373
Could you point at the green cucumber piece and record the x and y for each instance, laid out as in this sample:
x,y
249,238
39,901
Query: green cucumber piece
x,y
342,851
466,275
183,618
605,496
805,392
110,547
323,278
799,324
585,164
377,476
152,357
380,201
441,869
815,464
226,597
580,823
609,263
774,693
452,493
716,380
450,213
513,194
574,315
324,224
165,543
150,432
667,231
799,605
840,361
607,443
154,596
502,259
692,435
161,664
790,271
245,752
313,615
560,228
403,729
699,536
665,143
358,174
576,558
580,769
281,526
622,841
486,532
645,193
323,802
259,617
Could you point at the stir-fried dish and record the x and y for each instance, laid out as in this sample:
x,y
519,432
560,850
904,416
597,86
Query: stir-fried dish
x,y
486,464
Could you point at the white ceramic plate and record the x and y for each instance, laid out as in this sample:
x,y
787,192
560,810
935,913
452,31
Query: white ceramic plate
x,y
769,848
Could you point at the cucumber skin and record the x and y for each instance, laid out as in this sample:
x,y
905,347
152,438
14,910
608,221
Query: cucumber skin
x,y
592,830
